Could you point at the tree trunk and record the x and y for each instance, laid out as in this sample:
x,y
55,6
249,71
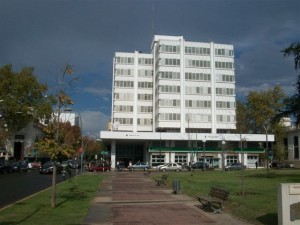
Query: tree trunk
x,y
53,195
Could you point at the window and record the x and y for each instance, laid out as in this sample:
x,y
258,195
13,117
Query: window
x,y
124,96
127,121
197,76
169,103
145,109
125,60
225,91
145,85
169,75
145,73
123,108
197,90
123,84
145,97
225,105
197,104
170,62
144,122
231,159
224,65
124,72
158,159
169,89
181,158
170,48
198,118
225,78
197,63
224,52
197,50
225,118
145,61
169,116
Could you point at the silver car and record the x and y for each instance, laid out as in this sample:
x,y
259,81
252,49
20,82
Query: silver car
x,y
235,166
171,167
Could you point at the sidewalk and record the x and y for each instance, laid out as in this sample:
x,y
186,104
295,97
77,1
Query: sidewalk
x,y
131,198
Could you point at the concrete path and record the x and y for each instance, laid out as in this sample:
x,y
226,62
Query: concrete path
x,y
131,198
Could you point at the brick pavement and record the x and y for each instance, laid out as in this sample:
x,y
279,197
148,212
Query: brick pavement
x,y
131,198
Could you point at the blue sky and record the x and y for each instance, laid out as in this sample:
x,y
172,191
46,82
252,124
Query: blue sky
x,y
47,35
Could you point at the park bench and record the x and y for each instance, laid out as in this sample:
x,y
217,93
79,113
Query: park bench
x,y
162,180
214,202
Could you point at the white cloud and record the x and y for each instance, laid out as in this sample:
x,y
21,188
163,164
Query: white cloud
x,y
93,122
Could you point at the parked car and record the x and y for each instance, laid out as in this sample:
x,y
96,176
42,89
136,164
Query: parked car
x,y
19,166
197,165
279,165
139,166
171,167
47,168
100,167
235,166
159,166
5,167
75,164
34,165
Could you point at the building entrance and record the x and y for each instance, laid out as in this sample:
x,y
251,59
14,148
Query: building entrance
x,y
129,152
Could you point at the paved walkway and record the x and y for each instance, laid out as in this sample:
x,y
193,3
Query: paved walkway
x,y
131,198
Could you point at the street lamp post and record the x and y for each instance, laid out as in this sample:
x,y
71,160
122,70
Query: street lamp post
x,y
204,160
223,160
266,127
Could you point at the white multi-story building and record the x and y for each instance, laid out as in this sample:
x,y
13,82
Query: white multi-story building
x,y
179,94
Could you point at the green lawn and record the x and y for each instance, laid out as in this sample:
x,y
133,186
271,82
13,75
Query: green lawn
x,y
258,205
259,202
73,201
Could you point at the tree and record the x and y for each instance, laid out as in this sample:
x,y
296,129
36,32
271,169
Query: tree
x,y
258,108
293,103
258,112
242,123
22,100
57,141
92,147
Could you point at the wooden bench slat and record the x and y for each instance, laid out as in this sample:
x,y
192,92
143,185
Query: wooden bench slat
x,y
162,181
214,202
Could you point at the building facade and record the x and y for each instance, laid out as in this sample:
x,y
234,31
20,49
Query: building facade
x,y
167,103
291,142
21,144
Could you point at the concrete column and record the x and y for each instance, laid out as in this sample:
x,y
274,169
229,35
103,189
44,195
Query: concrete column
x,y
113,154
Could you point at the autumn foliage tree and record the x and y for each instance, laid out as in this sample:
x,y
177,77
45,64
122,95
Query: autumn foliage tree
x,y
57,140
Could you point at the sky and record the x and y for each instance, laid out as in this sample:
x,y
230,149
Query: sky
x,y
49,34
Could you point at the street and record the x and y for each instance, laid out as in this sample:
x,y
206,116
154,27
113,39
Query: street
x,y
16,186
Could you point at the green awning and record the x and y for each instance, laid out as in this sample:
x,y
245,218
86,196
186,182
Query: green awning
x,y
104,153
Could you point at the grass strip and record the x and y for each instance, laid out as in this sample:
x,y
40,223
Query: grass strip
x,y
72,202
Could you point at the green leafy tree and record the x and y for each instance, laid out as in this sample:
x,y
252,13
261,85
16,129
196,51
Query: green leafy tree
x,y
22,100
293,103
258,112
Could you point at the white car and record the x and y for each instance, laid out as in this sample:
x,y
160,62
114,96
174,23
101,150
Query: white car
x,y
159,166
171,167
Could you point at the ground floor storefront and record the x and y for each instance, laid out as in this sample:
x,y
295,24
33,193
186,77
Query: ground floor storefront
x,y
217,150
